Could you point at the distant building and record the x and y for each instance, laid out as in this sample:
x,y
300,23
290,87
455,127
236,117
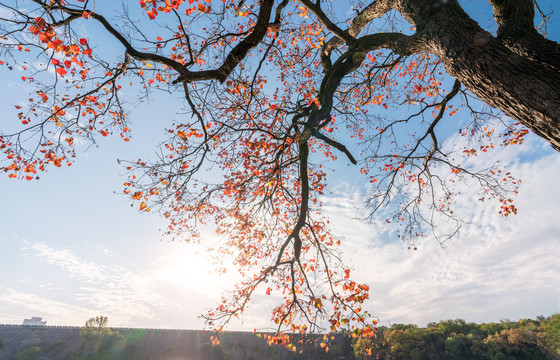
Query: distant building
x,y
34,321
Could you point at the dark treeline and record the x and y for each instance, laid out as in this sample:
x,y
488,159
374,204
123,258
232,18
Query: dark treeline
x,y
457,339
448,339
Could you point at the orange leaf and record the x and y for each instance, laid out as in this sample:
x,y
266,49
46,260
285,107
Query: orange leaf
x,y
61,71
44,37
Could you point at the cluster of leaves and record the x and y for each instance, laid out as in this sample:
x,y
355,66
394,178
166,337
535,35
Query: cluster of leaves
x,y
274,90
53,120
456,339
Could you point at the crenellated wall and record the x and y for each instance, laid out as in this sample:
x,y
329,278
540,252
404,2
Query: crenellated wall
x,y
18,337
62,341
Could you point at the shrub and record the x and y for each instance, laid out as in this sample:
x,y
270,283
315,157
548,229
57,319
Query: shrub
x,y
31,353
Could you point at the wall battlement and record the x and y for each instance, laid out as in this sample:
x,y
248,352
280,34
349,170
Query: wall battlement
x,y
147,341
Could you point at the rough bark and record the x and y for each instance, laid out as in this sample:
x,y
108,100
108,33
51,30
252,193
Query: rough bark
x,y
524,88
515,19
518,71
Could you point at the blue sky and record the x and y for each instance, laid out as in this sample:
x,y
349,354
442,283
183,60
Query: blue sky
x,y
73,248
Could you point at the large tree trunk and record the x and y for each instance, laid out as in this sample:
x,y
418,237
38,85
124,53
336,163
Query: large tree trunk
x,y
521,78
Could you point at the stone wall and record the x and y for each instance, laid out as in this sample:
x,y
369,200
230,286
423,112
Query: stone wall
x,y
62,341
17,337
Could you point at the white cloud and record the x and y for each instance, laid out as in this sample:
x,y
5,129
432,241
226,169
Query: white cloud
x,y
170,292
496,268
108,289
14,302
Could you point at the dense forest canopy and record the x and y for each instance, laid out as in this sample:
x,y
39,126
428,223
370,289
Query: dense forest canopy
x,y
275,91
457,339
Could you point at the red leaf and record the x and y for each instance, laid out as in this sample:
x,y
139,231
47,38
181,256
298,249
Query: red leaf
x,y
44,37
61,71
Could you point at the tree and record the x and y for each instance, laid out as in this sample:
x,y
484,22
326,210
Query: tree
x,y
100,341
516,343
96,328
551,328
274,90
363,348
458,326
31,353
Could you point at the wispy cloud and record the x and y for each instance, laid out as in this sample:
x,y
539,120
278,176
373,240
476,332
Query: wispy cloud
x,y
166,293
106,288
15,302
496,268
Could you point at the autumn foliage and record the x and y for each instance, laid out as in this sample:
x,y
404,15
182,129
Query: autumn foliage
x,y
276,91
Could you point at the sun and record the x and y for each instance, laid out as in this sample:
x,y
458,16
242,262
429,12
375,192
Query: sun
x,y
191,266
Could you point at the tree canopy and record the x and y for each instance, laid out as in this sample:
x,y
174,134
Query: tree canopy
x,y
275,91
457,339
96,328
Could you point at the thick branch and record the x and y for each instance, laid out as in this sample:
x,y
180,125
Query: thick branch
x,y
336,145
373,11
515,19
304,206
237,54
77,14
522,88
